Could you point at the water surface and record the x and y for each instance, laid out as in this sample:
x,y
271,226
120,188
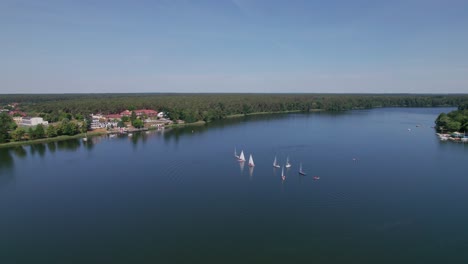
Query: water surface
x,y
389,192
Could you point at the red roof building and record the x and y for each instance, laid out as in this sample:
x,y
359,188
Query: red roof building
x,y
23,114
126,113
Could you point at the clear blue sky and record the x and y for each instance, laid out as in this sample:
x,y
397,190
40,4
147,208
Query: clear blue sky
x,y
61,46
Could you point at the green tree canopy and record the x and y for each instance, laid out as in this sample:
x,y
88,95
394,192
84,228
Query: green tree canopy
x,y
18,134
6,124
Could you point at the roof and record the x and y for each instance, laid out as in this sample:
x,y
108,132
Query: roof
x,y
114,116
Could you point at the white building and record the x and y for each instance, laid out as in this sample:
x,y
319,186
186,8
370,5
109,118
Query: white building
x,y
33,121
18,119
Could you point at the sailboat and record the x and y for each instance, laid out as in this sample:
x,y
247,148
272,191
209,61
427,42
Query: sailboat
x,y
283,176
251,163
241,156
275,163
301,172
288,165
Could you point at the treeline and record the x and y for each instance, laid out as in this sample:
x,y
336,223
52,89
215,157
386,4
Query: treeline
x,y
454,121
209,107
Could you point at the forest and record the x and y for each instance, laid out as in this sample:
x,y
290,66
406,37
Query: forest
x,y
454,121
210,107
70,112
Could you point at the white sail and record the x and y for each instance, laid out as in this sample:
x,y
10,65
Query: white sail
x,y
275,163
241,157
235,153
251,162
288,165
300,169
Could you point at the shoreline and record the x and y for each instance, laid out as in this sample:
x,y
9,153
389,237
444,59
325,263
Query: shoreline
x,y
174,125
88,135
53,139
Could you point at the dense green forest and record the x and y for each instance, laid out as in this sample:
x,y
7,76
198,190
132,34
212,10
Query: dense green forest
x,y
209,107
454,121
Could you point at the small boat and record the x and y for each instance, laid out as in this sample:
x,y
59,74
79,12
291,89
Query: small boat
x,y
130,134
241,157
301,172
316,178
288,165
112,135
275,163
85,137
251,162
283,176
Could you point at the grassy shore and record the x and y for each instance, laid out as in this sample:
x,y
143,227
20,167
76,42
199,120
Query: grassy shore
x,y
45,140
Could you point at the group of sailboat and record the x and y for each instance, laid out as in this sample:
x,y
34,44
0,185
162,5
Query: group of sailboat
x,y
287,166
241,158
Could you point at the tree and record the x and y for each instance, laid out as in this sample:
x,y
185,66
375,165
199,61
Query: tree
x,y
51,131
6,124
18,134
120,124
133,116
39,131
125,119
138,123
84,127
453,126
31,133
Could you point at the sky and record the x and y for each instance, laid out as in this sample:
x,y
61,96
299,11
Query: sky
x,y
261,46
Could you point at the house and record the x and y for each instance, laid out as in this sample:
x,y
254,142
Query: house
x,y
33,121
161,114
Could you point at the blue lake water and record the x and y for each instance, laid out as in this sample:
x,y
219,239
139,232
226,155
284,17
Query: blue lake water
x,y
389,192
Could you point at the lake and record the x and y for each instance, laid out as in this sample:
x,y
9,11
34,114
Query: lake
x,y
389,192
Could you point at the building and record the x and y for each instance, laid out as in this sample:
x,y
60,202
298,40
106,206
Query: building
x,y
17,113
33,121
18,119
147,112
114,117
126,113
140,112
